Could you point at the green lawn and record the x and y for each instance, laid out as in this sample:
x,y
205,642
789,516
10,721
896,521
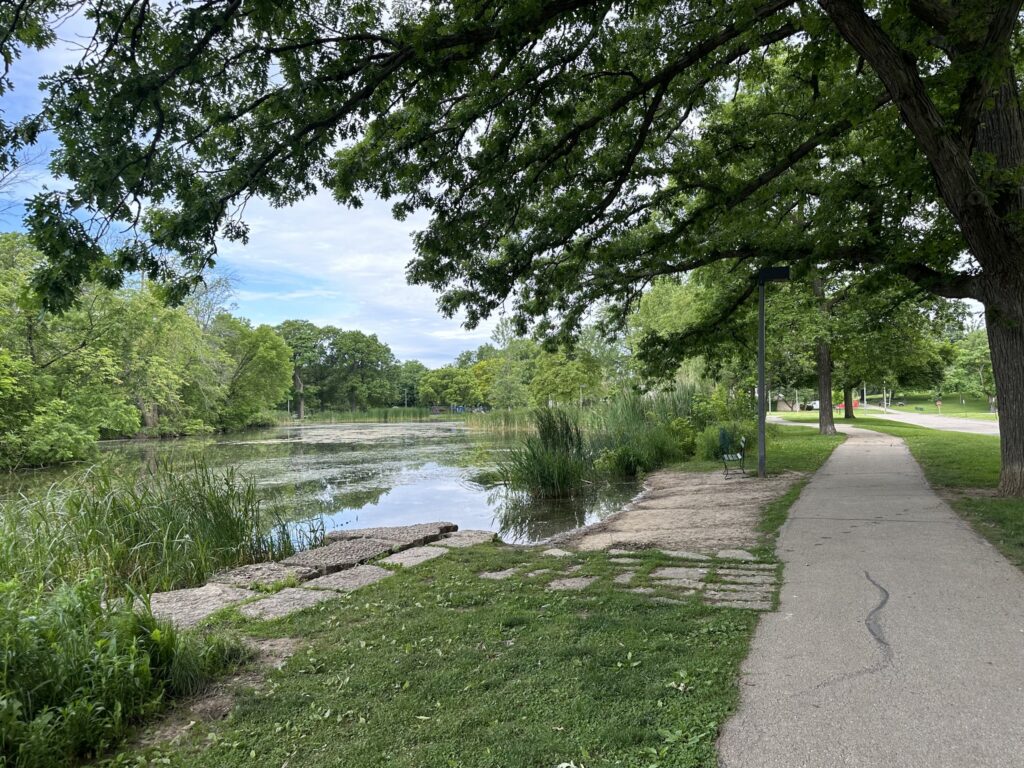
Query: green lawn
x,y
435,668
970,408
967,465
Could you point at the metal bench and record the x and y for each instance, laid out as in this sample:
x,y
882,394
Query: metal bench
x,y
737,457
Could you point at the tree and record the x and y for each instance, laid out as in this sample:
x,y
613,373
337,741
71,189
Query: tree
x,y
360,369
971,372
408,382
553,143
305,341
260,370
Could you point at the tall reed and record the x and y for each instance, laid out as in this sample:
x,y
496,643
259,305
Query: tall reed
x,y
554,463
162,530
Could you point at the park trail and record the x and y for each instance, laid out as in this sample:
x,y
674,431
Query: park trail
x,y
899,639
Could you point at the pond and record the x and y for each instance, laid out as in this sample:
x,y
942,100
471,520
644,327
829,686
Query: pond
x,y
362,475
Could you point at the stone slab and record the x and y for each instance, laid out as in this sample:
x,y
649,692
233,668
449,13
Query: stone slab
x,y
746,578
556,552
350,579
403,535
625,577
642,590
574,584
735,554
674,572
461,539
263,574
414,556
498,575
622,560
683,554
187,607
670,600
341,555
617,551
684,583
751,605
538,572
285,602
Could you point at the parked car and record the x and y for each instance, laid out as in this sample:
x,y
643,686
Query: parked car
x,y
814,405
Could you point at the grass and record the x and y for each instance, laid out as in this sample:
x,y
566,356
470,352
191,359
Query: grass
x,y
554,463
967,467
970,408
81,660
435,667
163,530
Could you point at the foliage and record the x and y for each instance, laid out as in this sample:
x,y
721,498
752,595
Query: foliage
x,y
970,373
709,444
78,671
121,363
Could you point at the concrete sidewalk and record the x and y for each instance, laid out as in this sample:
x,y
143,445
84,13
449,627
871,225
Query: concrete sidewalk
x,y
899,642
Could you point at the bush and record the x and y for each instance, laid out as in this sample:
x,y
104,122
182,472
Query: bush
x,y
709,445
77,671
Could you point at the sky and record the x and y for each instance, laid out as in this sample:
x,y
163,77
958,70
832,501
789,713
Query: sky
x,y
316,261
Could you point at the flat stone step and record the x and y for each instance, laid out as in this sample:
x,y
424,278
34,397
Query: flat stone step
x,y
461,539
187,607
574,584
285,602
414,556
262,574
674,572
341,555
403,535
350,579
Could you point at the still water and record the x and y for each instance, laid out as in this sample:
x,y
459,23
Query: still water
x,y
358,475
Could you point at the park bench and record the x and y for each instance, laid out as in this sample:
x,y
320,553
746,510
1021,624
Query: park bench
x,y
729,455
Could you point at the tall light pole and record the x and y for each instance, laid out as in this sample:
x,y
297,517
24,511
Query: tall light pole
x,y
765,276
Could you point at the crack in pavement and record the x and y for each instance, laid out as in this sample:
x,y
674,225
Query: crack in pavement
x,y
871,622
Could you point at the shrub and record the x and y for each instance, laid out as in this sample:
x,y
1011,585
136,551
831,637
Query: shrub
x,y
709,443
78,671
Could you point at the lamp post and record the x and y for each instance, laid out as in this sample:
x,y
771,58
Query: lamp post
x,y
765,276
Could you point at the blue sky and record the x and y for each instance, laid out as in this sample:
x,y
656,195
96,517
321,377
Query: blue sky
x,y
316,260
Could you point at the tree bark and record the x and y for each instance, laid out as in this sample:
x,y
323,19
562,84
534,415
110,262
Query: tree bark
x,y
848,402
1006,342
300,398
826,421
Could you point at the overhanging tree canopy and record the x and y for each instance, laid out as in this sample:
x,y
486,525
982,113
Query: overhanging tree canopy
x,y
569,151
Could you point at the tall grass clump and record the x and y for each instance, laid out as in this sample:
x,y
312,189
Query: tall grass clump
x,y
502,422
633,433
553,463
81,657
162,530
78,671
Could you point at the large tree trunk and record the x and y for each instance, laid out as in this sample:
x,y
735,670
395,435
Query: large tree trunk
x,y
300,398
848,402
826,423
1006,341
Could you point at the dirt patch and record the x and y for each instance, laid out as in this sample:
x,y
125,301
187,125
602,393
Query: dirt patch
x,y
699,511
217,701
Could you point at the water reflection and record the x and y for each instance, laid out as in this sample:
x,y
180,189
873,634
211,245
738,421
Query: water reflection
x,y
368,475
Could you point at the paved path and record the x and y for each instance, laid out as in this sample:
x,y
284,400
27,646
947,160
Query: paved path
x,y
935,421
899,641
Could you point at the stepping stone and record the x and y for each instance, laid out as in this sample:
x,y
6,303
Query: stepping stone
x,y
414,556
350,579
674,572
621,552
263,574
643,590
341,555
684,583
768,567
745,577
187,607
735,554
741,595
734,589
625,577
403,535
669,600
622,560
572,585
573,568
556,552
752,605
683,554
461,539
538,572
285,602
498,575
